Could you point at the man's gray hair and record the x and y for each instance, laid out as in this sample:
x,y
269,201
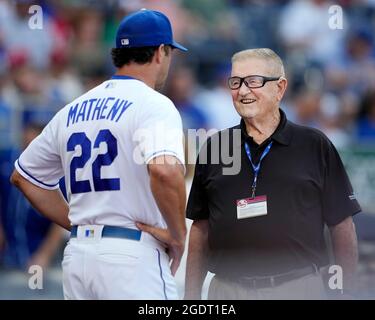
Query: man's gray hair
x,y
262,54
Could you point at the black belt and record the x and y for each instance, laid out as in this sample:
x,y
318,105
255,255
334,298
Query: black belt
x,y
112,232
272,281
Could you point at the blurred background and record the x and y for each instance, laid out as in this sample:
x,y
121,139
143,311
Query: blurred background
x,y
331,75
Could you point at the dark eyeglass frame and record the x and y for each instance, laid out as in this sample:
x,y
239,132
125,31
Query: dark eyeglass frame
x,y
243,80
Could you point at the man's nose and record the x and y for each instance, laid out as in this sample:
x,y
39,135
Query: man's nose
x,y
243,89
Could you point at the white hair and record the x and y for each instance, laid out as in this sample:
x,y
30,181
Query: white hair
x,y
262,54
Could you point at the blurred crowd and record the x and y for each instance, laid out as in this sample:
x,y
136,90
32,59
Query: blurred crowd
x,y
331,73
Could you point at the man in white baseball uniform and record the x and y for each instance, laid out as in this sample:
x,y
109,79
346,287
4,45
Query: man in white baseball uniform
x,y
120,148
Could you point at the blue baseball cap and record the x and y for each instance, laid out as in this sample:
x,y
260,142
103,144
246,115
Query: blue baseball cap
x,y
145,28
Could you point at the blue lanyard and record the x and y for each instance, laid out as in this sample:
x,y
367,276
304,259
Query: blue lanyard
x,y
256,168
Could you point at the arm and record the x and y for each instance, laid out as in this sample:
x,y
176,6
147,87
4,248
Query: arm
x,y
168,188
345,250
196,266
50,203
48,248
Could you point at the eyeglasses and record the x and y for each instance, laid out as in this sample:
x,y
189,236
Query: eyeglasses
x,y
253,81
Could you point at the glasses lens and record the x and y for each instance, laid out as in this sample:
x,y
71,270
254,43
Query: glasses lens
x,y
254,81
234,83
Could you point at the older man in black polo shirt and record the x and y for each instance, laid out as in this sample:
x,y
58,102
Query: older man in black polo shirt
x,y
261,230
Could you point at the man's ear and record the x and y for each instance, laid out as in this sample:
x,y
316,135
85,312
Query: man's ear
x,y
281,85
159,53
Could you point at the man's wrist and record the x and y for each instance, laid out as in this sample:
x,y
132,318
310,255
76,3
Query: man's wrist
x,y
180,238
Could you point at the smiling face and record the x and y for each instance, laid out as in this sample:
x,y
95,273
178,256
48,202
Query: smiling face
x,y
258,103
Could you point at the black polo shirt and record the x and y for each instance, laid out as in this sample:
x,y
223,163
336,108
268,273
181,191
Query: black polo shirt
x,y
306,187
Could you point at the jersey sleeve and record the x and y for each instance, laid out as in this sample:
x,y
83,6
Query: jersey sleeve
x,y
339,200
40,162
160,131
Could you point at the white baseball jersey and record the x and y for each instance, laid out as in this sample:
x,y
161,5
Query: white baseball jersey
x,y
101,143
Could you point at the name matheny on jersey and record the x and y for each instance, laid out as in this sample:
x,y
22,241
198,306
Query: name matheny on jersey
x,y
107,108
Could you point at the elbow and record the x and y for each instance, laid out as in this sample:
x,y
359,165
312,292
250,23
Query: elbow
x,y
164,174
201,226
344,227
15,179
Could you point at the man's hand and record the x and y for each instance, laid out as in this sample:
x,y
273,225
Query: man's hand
x,y
39,259
175,247
48,248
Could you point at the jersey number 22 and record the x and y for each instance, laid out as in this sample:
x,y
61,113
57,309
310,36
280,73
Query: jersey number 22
x,y
100,184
